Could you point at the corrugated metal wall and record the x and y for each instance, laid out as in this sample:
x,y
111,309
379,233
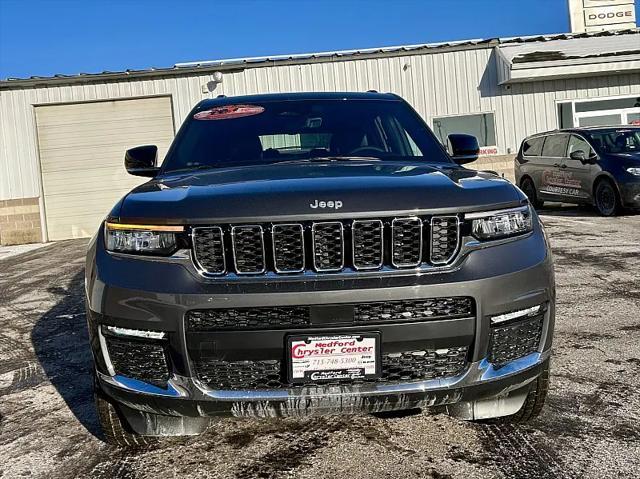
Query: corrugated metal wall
x,y
435,84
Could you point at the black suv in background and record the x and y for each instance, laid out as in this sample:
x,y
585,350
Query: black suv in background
x,y
597,166
315,253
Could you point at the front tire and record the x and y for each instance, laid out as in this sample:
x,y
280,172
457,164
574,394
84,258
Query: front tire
x,y
606,198
529,189
116,431
533,404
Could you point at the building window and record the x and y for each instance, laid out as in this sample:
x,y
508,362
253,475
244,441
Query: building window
x,y
482,126
565,115
601,112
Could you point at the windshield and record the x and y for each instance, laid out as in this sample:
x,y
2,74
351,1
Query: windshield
x,y
271,132
617,141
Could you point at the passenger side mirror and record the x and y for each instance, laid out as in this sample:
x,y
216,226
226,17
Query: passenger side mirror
x,y
141,161
581,156
463,148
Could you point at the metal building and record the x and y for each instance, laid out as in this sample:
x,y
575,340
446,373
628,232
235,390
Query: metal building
x,y
62,138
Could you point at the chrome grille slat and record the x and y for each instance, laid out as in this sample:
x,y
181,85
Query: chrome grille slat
x,y
328,246
288,248
406,242
367,240
445,238
247,242
208,249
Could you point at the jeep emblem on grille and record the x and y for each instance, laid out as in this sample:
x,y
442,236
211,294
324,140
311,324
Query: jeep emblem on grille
x,y
326,204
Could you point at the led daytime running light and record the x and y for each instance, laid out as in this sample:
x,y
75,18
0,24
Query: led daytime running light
x,y
501,318
136,333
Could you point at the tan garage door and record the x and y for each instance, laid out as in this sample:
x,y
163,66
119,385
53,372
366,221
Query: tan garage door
x,y
81,154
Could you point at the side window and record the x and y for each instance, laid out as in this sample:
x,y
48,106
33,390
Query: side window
x,y
533,146
555,146
577,143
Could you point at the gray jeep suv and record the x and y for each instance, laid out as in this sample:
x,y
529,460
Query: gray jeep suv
x,y
320,253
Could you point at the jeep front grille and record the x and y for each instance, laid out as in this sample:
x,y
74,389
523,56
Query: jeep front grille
x,y
417,365
201,320
326,246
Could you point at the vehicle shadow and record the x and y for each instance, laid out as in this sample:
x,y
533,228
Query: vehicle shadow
x,y
61,344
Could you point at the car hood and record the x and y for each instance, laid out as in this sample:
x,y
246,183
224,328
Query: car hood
x,y
301,190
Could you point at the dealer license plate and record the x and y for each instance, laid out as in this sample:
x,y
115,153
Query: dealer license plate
x,y
330,358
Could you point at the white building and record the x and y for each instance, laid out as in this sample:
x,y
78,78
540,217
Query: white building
x,y
63,137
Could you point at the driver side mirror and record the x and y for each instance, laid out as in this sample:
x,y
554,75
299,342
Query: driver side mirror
x,y
581,156
463,148
141,161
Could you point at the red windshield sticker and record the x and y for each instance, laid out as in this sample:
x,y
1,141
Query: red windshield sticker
x,y
228,112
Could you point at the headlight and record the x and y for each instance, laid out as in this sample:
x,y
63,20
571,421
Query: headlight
x,y
492,225
634,171
141,239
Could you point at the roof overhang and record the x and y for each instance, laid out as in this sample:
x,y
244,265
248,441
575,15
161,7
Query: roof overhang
x,y
580,57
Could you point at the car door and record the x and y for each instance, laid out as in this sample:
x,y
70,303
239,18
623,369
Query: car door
x,y
552,186
578,175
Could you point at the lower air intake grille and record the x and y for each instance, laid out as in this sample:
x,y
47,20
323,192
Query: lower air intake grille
x,y
299,316
247,318
515,340
424,364
418,365
138,360
217,374
414,310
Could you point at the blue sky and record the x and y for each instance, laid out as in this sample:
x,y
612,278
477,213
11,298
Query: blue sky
x,y
47,37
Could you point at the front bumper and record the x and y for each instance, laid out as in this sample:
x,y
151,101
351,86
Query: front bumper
x,y
146,295
630,193
188,398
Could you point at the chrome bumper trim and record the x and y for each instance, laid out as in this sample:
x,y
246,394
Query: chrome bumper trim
x,y
478,373
141,387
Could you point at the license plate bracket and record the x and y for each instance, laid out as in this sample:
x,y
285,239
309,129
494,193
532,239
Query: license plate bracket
x,y
330,357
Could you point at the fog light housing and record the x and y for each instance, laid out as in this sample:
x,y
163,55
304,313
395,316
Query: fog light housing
x,y
515,334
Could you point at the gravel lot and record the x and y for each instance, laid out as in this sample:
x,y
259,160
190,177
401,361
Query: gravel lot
x,y
590,427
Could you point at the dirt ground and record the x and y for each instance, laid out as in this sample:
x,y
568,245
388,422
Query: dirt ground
x,y
589,428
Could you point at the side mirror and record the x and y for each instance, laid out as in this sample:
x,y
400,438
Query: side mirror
x,y
581,156
463,148
141,161
578,155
